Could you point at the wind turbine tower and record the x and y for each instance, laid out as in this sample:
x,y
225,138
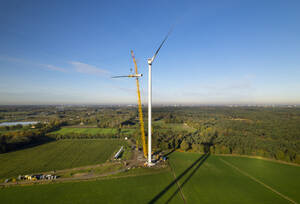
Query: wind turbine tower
x,y
150,61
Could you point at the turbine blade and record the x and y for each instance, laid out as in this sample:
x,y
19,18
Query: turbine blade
x,y
120,76
170,31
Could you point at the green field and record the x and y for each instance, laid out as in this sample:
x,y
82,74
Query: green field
x,y
210,180
92,131
201,178
138,189
284,178
57,155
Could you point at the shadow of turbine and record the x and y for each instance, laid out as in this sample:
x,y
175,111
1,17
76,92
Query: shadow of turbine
x,y
188,178
200,160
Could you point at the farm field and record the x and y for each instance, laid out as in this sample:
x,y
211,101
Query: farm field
x,y
210,180
92,131
201,178
283,178
57,155
138,189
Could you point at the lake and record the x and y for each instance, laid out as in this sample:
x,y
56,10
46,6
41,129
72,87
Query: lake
x,y
18,123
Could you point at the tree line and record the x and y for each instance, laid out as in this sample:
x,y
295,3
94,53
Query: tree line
x,y
267,132
22,137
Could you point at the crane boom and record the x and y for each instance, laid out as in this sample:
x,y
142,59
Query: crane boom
x,y
140,108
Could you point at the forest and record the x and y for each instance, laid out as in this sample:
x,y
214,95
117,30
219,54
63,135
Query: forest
x,y
257,131
270,132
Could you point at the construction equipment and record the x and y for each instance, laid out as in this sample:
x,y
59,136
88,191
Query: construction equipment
x,y
142,129
140,107
117,155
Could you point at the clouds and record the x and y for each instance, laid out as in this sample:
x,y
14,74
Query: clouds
x,y
88,69
69,67
54,68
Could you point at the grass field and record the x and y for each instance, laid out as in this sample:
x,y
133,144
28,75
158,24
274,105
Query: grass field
x,y
138,189
93,131
57,155
201,178
210,180
284,178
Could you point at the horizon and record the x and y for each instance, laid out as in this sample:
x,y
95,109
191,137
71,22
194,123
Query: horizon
x,y
219,53
163,104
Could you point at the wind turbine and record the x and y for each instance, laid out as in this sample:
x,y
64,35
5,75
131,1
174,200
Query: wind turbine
x,y
150,61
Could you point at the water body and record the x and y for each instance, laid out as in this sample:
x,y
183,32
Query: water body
x,y
18,123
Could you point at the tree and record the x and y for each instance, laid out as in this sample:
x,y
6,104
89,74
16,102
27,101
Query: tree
x,y
280,155
198,148
297,159
212,149
2,144
184,145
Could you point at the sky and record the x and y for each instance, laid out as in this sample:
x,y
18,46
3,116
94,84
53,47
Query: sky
x,y
220,52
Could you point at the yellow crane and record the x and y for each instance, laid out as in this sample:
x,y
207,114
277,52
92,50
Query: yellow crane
x,y
142,129
140,107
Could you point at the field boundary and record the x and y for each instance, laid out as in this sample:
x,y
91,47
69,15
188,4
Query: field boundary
x,y
258,157
258,181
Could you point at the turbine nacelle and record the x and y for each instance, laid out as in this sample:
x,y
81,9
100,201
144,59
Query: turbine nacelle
x,y
150,60
135,75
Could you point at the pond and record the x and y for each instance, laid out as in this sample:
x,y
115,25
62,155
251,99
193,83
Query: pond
x,y
18,123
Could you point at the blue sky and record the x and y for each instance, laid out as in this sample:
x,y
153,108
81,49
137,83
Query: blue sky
x,y
220,52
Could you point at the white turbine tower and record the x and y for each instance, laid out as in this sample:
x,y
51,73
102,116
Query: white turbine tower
x,y
150,61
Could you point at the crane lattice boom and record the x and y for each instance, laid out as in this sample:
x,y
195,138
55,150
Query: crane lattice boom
x,y
140,108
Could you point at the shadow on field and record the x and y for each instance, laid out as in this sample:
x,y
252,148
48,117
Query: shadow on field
x,y
35,141
169,153
197,163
